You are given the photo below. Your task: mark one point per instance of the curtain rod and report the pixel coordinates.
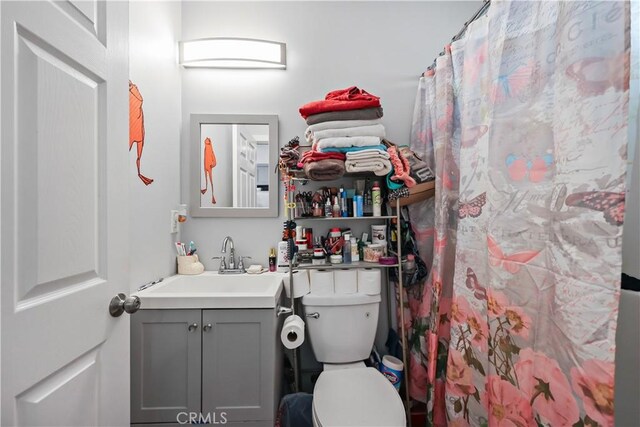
(478, 14)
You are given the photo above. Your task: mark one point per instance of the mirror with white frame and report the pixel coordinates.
(233, 158)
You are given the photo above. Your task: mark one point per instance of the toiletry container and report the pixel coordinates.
(272, 260)
(377, 199)
(189, 265)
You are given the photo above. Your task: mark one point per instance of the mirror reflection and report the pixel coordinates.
(235, 165)
(232, 168)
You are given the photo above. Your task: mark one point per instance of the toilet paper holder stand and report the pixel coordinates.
(282, 310)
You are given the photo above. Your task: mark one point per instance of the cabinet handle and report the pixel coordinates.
(207, 327)
(193, 327)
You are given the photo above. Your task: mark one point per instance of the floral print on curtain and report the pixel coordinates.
(536, 286)
(532, 106)
(435, 230)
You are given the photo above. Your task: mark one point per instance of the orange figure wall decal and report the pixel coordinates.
(136, 127)
(209, 163)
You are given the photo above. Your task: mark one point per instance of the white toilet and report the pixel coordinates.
(342, 329)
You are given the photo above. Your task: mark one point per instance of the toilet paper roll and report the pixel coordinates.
(345, 281)
(369, 281)
(292, 334)
(300, 284)
(321, 282)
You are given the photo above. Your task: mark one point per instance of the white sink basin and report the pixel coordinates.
(213, 290)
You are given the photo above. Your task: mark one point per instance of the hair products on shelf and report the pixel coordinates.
(377, 199)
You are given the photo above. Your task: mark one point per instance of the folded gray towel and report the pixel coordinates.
(363, 114)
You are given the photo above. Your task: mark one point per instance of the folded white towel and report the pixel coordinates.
(338, 124)
(346, 141)
(372, 153)
(374, 130)
(380, 167)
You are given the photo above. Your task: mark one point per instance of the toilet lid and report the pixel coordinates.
(357, 397)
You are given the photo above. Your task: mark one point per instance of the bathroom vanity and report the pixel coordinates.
(207, 347)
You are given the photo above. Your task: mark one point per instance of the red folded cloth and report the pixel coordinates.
(350, 98)
(316, 156)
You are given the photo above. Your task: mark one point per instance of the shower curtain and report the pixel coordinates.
(524, 122)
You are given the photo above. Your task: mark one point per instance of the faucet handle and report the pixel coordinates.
(241, 262)
(223, 263)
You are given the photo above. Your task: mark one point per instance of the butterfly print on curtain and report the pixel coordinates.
(610, 204)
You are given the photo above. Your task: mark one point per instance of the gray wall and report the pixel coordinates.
(381, 47)
(154, 28)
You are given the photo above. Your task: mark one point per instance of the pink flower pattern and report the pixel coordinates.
(544, 384)
(519, 321)
(505, 404)
(496, 302)
(593, 382)
(459, 375)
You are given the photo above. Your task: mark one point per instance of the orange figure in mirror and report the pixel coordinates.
(209, 163)
(136, 126)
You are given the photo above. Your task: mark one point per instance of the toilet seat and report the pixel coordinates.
(356, 397)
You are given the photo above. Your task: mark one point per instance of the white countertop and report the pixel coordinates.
(213, 290)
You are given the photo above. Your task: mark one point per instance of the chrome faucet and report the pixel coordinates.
(232, 253)
(231, 267)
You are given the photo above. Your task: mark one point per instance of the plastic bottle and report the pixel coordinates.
(377, 199)
(367, 208)
(359, 210)
(355, 256)
(336, 208)
(343, 202)
(346, 249)
(272, 260)
(328, 210)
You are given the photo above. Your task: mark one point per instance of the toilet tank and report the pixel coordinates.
(345, 328)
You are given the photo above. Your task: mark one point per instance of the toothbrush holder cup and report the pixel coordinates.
(189, 265)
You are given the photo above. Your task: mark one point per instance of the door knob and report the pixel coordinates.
(207, 327)
(121, 303)
(193, 327)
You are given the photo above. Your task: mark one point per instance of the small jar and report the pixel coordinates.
(336, 259)
(373, 252)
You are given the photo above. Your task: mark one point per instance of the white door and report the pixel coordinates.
(244, 168)
(63, 231)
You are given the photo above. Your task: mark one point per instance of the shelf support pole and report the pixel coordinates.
(403, 333)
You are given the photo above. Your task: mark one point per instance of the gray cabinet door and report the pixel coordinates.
(165, 364)
(238, 360)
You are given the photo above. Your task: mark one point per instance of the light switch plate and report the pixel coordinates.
(174, 222)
